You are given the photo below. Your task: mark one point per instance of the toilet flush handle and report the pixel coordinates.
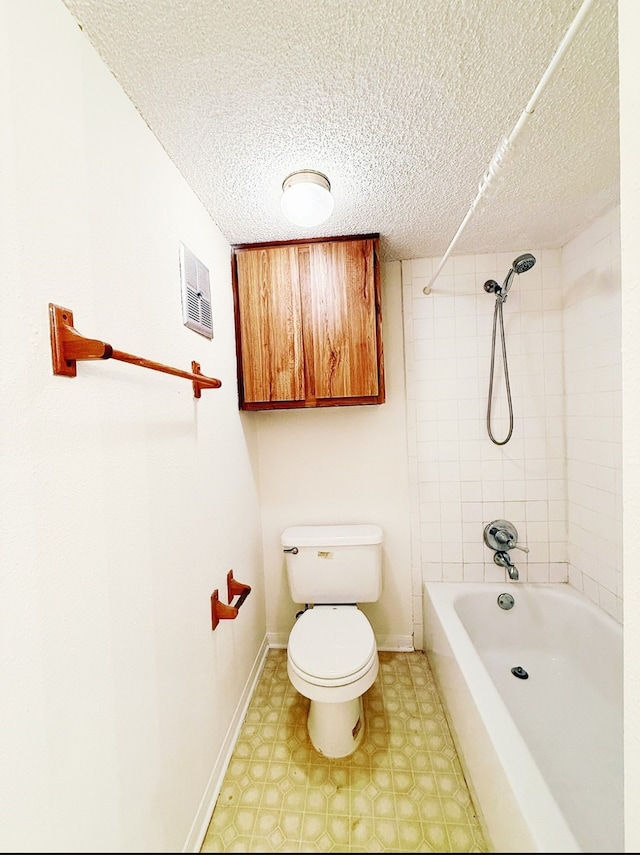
(292, 549)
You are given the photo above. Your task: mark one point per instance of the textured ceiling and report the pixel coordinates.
(401, 103)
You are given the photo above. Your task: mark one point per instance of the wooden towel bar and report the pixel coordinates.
(68, 346)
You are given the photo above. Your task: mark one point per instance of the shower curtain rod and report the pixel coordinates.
(507, 144)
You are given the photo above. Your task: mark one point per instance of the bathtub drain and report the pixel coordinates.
(505, 601)
(520, 673)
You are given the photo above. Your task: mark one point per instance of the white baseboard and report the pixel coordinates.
(203, 816)
(278, 639)
(395, 643)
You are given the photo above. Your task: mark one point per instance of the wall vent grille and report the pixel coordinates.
(196, 293)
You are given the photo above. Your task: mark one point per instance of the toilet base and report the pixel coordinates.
(336, 729)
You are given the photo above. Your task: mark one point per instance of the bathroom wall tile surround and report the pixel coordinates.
(560, 472)
(593, 367)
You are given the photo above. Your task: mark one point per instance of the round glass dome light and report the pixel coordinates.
(306, 198)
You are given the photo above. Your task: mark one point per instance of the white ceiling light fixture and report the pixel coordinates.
(306, 198)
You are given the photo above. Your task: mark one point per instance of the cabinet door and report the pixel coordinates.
(339, 297)
(308, 323)
(269, 325)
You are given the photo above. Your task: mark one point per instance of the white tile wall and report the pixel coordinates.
(558, 477)
(593, 423)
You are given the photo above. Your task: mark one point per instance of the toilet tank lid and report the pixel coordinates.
(331, 535)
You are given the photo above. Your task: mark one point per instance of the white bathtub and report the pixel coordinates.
(543, 755)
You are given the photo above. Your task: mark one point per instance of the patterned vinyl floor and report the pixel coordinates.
(402, 790)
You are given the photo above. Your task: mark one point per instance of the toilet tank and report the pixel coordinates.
(333, 563)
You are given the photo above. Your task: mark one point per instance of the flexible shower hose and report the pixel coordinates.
(497, 313)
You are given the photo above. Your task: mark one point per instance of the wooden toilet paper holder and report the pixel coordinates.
(222, 611)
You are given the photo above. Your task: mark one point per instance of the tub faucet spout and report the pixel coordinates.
(503, 559)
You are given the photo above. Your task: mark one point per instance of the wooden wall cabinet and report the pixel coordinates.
(308, 323)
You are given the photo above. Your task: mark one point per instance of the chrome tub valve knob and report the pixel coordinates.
(501, 535)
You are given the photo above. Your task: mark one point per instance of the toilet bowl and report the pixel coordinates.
(332, 659)
(332, 656)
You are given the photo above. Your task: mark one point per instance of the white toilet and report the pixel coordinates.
(332, 657)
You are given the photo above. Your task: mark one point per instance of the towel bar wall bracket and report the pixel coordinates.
(68, 346)
(222, 611)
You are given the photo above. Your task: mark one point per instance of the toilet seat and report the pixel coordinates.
(332, 645)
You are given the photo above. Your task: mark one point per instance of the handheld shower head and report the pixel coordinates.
(524, 262)
(520, 265)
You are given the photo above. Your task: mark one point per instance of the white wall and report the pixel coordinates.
(124, 500)
(629, 62)
(343, 465)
